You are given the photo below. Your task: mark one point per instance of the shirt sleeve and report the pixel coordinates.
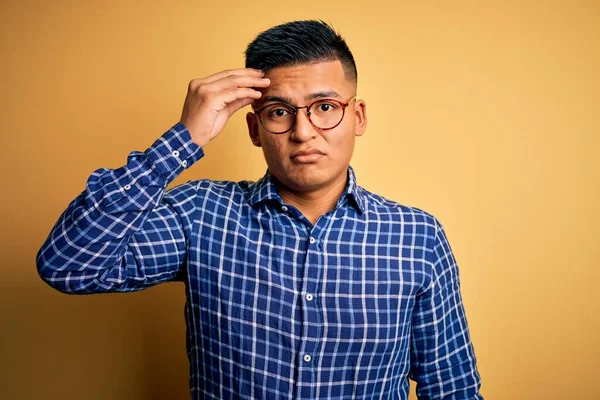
(443, 362)
(125, 232)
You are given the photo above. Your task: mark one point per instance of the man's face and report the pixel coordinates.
(307, 158)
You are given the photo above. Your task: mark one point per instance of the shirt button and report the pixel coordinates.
(175, 153)
(127, 187)
(309, 297)
(312, 240)
(307, 357)
(284, 208)
(184, 163)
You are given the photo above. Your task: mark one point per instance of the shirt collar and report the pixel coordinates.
(265, 190)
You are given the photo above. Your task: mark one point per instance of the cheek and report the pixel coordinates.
(272, 147)
(342, 143)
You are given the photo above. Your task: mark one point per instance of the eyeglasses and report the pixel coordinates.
(323, 114)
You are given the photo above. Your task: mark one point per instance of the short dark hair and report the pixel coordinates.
(300, 42)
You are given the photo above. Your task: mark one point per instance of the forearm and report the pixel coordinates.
(100, 242)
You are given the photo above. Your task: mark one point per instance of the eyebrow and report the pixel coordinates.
(312, 96)
(321, 95)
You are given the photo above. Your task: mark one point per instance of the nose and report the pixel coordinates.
(302, 130)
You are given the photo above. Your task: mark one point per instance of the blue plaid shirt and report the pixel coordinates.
(276, 308)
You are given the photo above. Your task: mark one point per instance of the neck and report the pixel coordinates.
(314, 203)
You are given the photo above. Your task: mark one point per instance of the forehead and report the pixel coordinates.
(300, 81)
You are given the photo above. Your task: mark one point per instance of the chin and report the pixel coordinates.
(304, 179)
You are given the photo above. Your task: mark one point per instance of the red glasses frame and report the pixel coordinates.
(295, 113)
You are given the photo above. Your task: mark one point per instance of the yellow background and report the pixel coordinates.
(486, 115)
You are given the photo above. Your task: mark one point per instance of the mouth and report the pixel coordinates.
(307, 156)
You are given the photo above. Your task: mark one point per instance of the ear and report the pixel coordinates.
(253, 129)
(360, 115)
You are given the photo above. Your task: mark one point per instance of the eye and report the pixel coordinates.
(326, 106)
(278, 111)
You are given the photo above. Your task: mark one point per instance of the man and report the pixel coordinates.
(302, 285)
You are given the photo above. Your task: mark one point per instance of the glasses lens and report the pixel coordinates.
(277, 118)
(280, 117)
(326, 114)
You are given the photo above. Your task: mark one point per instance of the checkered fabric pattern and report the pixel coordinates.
(276, 308)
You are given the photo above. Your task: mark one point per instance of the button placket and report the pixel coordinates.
(310, 310)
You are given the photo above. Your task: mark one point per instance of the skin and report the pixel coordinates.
(312, 183)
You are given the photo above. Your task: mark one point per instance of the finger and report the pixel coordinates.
(230, 72)
(233, 81)
(238, 104)
(232, 95)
